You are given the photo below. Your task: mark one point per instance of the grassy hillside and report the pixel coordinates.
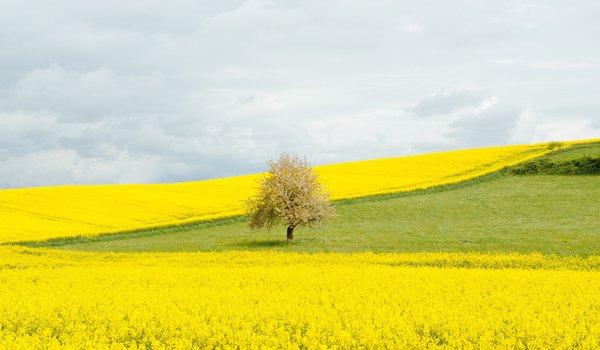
(578, 151)
(580, 160)
(53, 298)
(37, 214)
(501, 212)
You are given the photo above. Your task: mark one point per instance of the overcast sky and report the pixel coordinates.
(154, 91)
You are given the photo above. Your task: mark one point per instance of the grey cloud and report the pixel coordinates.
(148, 92)
(493, 126)
(449, 102)
(88, 95)
(60, 166)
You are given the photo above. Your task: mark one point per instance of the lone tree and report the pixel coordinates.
(290, 194)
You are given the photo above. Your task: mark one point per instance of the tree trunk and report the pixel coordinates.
(290, 233)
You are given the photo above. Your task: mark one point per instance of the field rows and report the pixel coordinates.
(37, 214)
(286, 300)
(52, 298)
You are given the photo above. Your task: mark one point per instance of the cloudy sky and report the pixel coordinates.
(153, 91)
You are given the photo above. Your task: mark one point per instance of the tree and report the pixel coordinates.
(290, 194)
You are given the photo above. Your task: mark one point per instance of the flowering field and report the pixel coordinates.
(285, 300)
(67, 211)
(266, 299)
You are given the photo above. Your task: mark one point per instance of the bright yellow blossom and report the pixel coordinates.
(68, 211)
(253, 300)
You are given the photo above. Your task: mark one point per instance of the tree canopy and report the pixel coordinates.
(289, 194)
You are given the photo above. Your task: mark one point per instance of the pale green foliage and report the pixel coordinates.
(289, 194)
(555, 145)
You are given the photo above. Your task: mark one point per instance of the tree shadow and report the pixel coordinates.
(270, 243)
(280, 243)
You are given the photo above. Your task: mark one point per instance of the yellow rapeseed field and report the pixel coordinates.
(254, 300)
(262, 300)
(67, 211)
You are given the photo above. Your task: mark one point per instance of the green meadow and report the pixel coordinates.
(508, 211)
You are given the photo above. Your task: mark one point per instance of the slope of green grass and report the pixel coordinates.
(548, 214)
(498, 213)
(581, 159)
(579, 151)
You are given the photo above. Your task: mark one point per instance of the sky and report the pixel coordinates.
(153, 91)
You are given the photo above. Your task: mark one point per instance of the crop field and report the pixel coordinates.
(225, 300)
(499, 213)
(503, 261)
(67, 211)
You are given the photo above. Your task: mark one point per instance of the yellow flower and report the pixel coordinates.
(265, 300)
(68, 211)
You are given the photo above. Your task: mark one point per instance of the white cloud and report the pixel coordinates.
(527, 128)
(83, 95)
(554, 65)
(569, 130)
(59, 166)
(141, 91)
(452, 102)
(491, 126)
